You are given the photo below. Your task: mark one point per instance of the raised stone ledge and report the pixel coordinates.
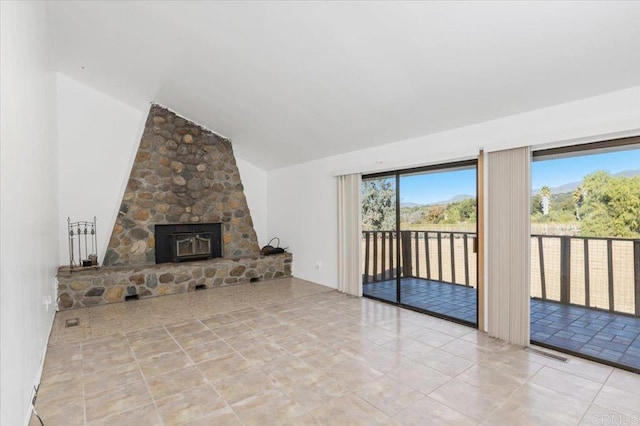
(99, 286)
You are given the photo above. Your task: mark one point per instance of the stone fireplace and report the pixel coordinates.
(183, 222)
(182, 174)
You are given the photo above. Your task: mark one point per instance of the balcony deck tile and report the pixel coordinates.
(442, 298)
(628, 359)
(594, 333)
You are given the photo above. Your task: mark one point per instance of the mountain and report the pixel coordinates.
(571, 186)
(459, 197)
(409, 204)
(628, 173)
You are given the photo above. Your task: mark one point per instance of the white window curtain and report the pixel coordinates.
(349, 235)
(509, 244)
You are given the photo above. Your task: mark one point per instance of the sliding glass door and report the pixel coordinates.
(419, 239)
(585, 251)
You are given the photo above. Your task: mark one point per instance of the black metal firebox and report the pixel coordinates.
(184, 242)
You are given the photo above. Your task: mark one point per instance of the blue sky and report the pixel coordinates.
(573, 169)
(440, 186)
(437, 186)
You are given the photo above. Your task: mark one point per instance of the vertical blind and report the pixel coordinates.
(509, 244)
(349, 235)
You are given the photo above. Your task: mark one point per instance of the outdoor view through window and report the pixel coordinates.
(585, 254)
(420, 253)
(594, 195)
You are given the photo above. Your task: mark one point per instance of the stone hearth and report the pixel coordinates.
(91, 286)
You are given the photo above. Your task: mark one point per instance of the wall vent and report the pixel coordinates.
(547, 354)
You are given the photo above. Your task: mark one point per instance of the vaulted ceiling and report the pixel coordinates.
(294, 81)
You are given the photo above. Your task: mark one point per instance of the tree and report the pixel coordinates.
(545, 194)
(467, 209)
(578, 200)
(461, 211)
(610, 206)
(452, 214)
(435, 214)
(378, 205)
(536, 204)
(411, 215)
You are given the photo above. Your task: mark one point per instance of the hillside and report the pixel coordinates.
(571, 186)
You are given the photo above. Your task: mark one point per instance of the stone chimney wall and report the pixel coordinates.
(182, 173)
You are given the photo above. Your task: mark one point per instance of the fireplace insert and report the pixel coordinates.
(185, 242)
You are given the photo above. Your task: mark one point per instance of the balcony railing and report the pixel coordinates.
(602, 273)
(435, 255)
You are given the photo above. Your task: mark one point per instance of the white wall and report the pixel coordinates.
(29, 211)
(303, 211)
(301, 199)
(254, 180)
(98, 139)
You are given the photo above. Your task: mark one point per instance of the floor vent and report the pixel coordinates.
(546, 354)
(131, 297)
(201, 287)
(72, 322)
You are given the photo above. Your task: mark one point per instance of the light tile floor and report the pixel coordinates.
(291, 352)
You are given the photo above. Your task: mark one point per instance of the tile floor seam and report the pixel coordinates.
(410, 405)
(234, 350)
(453, 408)
(371, 405)
(585, 413)
(574, 375)
(181, 349)
(466, 369)
(206, 379)
(174, 369)
(492, 412)
(204, 416)
(442, 348)
(507, 399)
(146, 383)
(117, 414)
(593, 401)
